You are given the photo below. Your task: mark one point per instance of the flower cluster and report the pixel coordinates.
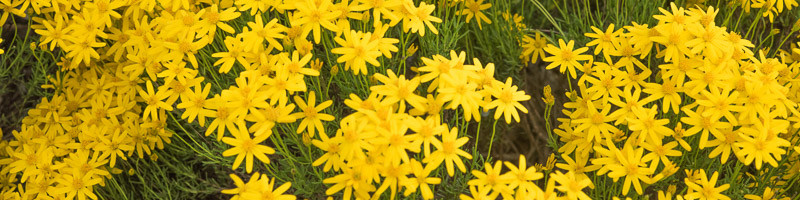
(631, 120)
(129, 67)
(767, 8)
(395, 137)
(70, 142)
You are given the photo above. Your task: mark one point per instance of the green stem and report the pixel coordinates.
(193, 140)
(477, 138)
(491, 140)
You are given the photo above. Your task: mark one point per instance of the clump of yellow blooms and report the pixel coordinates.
(72, 141)
(633, 122)
(767, 8)
(130, 66)
(396, 137)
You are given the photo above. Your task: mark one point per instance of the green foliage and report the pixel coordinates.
(23, 71)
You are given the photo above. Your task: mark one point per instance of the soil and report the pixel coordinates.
(529, 137)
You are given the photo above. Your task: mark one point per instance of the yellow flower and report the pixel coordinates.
(606, 84)
(667, 92)
(674, 38)
(478, 193)
(572, 185)
(104, 10)
(382, 9)
(263, 187)
(507, 100)
(604, 40)
(421, 180)
(16, 7)
(312, 15)
(659, 152)
(256, 6)
(578, 165)
(677, 16)
(641, 37)
(724, 144)
(241, 186)
(720, 102)
(82, 50)
(395, 142)
(761, 144)
(768, 194)
(397, 89)
(253, 39)
(140, 33)
(113, 145)
(474, 8)
(245, 148)
(282, 84)
(630, 99)
(434, 69)
(268, 116)
(393, 175)
(356, 137)
(705, 123)
(565, 57)
(348, 10)
(460, 92)
(154, 101)
(356, 50)
(647, 126)
(448, 151)
(195, 102)
(433, 107)
(773, 8)
(54, 32)
(632, 166)
(76, 185)
(421, 16)
(740, 45)
(25, 160)
(223, 118)
(185, 49)
(362, 106)
(412, 49)
(182, 87)
(533, 48)
(334, 70)
(426, 131)
(709, 41)
(523, 177)
(296, 65)
(332, 156)
(705, 188)
(312, 118)
(595, 123)
(492, 180)
(213, 17)
(350, 180)
(385, 45)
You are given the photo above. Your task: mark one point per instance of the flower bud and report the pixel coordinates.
(306, 139)
(548, 96)
(334, 70)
